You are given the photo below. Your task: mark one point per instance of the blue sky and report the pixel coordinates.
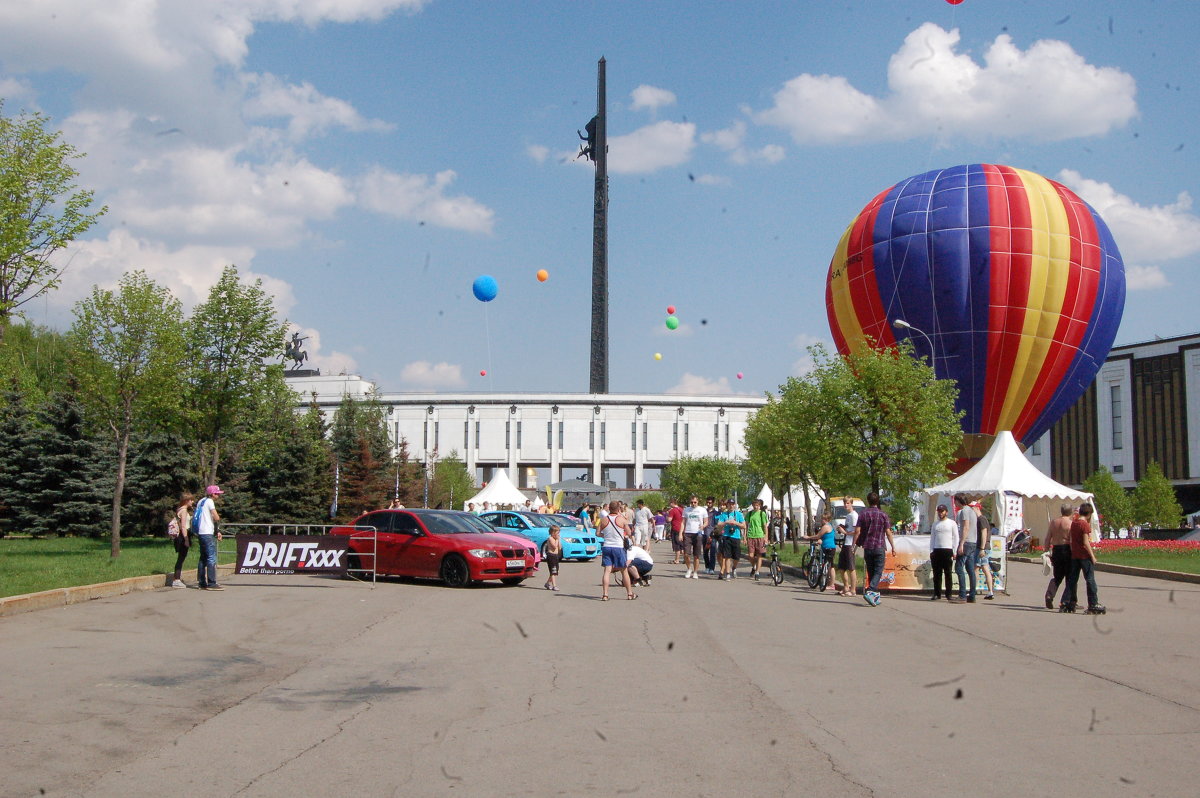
(369, 158)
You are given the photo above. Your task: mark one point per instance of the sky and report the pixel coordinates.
(368, 159)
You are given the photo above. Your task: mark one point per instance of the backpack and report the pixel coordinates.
(173, 528)
(195, 525)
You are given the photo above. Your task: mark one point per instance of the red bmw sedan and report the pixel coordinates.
(435, 544)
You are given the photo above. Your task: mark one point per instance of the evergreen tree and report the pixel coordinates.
(17, 458)
(61, 493)
(160, 471)
(364, 483)
(1154, 502)
(1112, 502)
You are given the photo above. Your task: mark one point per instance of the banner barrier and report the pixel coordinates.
(280, 555)
(910, 569)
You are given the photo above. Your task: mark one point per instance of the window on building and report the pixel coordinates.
(687, 436)
(726, 437)
(1036, 449)
(437, 434)
(633, 435)
(592, 435)
(717, 436)
(603, 435)
(466, 435)
(675, 436)
(425, 436)
(507, 434)
(1115, 398)
(476, 434)
(549, 434)
(519, 434)
(560, 435)
(645, 436)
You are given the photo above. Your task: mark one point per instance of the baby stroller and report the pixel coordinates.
(1019, 542)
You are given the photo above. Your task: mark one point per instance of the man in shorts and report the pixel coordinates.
(694, 519)
(756, 536)
(675, 522)
(643, 523)
(731, 524)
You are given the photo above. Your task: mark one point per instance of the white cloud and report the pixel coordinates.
(653, 147)
(423, 374)
(307, 110)
(1143, 234)
(420, 198)
(1047, 92)
(651, 97)
(732, 140)
(1145, 278)
(712, 180)
(695, 385)
(538, 152)
(805, 363)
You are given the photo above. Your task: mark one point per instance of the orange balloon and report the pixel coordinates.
(543, 275)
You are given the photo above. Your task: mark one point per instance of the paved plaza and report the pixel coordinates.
(306, 686)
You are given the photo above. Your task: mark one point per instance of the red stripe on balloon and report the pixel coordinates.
(1008, 272)
(860, 275)
(1083, 285)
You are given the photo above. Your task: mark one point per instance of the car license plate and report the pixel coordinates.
(514, 564)
(591, 549)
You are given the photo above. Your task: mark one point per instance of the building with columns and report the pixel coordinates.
(620, 440)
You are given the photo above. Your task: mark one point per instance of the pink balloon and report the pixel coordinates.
(739, 375)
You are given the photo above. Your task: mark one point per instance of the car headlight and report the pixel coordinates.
(482, 554)
(570, 540)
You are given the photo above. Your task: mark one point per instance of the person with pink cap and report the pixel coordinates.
(205, 523)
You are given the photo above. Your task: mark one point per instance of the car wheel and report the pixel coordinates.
(455, 572)
(512, 581)
(353, 566)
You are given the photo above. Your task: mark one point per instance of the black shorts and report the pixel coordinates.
(731, 548)
(845, 561)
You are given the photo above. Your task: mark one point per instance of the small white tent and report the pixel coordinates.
(771, 503)
(1006, 470)
(500, 491)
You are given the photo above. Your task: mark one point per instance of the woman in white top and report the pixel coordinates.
(943, 542)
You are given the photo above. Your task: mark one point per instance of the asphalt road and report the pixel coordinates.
(316, 687)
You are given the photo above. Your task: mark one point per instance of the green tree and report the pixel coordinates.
(887, 417)
(131, 352)
(1112, 501)
(18, 455)
(451, 484)
(703, 476)
(231, 337)
(35, 359)
(1154, 502)
(654, 500)
(41, 209)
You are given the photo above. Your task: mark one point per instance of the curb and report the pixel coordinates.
(63, 596)
(1128, 570)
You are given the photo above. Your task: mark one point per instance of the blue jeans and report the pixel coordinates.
(874, 560)
(964, 569)
(1070, 595)
(206, 571)
(710, 554)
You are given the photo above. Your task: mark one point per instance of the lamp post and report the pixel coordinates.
(903, 325)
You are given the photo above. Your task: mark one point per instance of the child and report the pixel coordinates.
(553, 554)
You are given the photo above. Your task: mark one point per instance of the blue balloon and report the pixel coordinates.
(485, 288)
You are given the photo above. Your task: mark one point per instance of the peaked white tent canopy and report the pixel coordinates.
(499, 491)
(1005, 469)
(767, 496)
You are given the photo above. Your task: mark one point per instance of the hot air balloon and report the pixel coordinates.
(1004, 280)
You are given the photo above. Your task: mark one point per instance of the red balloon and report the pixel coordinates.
(483, 373)
(954, 2)
(670, 310)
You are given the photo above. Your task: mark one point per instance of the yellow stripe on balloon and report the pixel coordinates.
(1048, 272)
(839, 292)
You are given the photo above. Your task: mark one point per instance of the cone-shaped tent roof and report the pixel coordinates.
(499, 491)
(1005, 468)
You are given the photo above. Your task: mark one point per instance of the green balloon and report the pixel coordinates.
(672, 322)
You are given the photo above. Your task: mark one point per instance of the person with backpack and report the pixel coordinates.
(204, 527)
(178, 529)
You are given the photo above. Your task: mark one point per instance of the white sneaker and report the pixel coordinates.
(178, 583)
(688, 574)
(695, 575)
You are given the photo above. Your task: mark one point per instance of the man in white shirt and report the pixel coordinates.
(640, 563)
(695, 518)
(643, 522)
(207, 535)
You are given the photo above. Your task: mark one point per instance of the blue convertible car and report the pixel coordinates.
(578, 542)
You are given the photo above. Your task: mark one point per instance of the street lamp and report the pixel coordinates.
(903, 325)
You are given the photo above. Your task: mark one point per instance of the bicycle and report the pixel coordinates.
(775, 567)
(814, 565)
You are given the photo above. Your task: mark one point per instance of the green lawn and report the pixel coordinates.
(28, 565)
(1149, 558)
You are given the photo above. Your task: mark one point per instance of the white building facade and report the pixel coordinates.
(621, 440)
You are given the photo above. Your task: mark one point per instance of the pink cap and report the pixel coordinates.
(213, 490)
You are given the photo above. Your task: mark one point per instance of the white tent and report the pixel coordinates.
(1005, 470)
(500, 491)
(770, 503)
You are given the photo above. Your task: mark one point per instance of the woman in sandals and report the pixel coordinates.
(615, 532)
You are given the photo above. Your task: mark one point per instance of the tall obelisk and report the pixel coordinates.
(599, 153)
